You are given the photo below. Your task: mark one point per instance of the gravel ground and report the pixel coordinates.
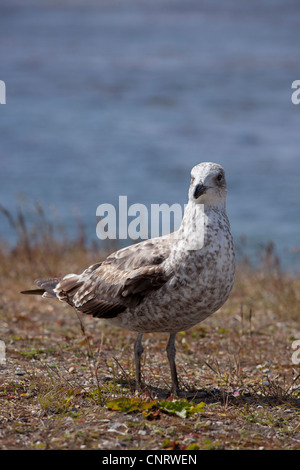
(69, 384)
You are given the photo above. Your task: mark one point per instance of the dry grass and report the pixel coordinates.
(62, 372)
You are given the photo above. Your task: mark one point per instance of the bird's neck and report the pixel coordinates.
(196, 221)
(197, 211)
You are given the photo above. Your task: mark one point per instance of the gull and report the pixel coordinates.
(164, 284)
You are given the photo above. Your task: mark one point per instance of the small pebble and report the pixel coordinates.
(115, 425)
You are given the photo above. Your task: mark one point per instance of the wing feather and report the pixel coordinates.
(121, 281)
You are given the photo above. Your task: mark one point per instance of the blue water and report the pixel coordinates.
(109, 98)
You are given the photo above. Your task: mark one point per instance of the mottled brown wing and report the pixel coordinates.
(122, 281)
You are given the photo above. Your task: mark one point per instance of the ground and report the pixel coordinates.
(68, 382)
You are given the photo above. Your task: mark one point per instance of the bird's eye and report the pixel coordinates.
(219, 177)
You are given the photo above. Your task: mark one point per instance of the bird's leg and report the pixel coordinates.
(171, 352)
(138, 351)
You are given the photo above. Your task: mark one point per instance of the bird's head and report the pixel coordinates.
(208, 184)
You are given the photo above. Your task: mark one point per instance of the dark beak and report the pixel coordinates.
(199, 190)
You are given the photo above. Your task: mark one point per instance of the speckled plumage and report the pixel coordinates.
(168, 283)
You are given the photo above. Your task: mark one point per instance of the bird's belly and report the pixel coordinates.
(179, 305)
(200, 285)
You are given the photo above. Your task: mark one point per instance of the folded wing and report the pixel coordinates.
(121, 281)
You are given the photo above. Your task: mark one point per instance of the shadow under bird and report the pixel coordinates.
(164, 284)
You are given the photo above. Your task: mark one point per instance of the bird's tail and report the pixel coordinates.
(46, 287)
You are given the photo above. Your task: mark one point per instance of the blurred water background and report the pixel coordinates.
(110, 97)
